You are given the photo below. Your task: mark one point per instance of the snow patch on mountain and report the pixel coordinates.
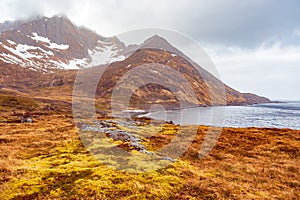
(58, 46)
(104, 54)
(25, 51)
(10, 59)
(26, 55)
(51, 45)
(72, 64)
(36, 37)
(11, 42)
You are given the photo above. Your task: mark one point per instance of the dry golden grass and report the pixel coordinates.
(46, 160)
(249, 163)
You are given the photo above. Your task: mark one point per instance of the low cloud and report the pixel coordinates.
(255, 44)
(272, 71)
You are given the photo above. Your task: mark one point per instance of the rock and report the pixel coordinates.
(168, 158)
(131, 139)
(26, 120)
(57, 82)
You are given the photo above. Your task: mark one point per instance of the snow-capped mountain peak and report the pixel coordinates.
(45, 43)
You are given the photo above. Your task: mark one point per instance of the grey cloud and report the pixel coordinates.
(244, 25)
(231, 22)
(16, 9)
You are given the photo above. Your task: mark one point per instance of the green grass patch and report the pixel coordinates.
(69, 171)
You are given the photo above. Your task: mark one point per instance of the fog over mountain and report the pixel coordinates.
(255, 45)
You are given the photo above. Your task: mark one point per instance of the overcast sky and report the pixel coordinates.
(254, 44)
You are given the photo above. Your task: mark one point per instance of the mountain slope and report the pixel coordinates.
(170, 89)
(51, 43)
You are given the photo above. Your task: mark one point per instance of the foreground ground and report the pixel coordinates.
(47, 160)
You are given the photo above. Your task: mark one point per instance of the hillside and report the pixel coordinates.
(207, 88)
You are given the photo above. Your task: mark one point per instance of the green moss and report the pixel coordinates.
(69, 171)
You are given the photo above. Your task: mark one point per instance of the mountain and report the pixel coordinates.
(39, 53)
(50, 43)
(154, 42)
(171, 89)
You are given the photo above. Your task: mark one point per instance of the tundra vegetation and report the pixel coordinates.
(47, 160)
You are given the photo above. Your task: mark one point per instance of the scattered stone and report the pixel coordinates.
(26, 120)
(168, 158)
(111, 129)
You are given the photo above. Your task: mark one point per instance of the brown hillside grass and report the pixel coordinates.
(46, 160)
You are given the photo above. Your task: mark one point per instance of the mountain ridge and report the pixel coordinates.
(50, 45)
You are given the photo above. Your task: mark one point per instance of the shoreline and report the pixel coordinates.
(265, 115)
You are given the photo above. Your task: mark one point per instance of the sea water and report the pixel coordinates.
(269, 115)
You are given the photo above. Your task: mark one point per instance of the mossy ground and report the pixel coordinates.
(71, 172)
